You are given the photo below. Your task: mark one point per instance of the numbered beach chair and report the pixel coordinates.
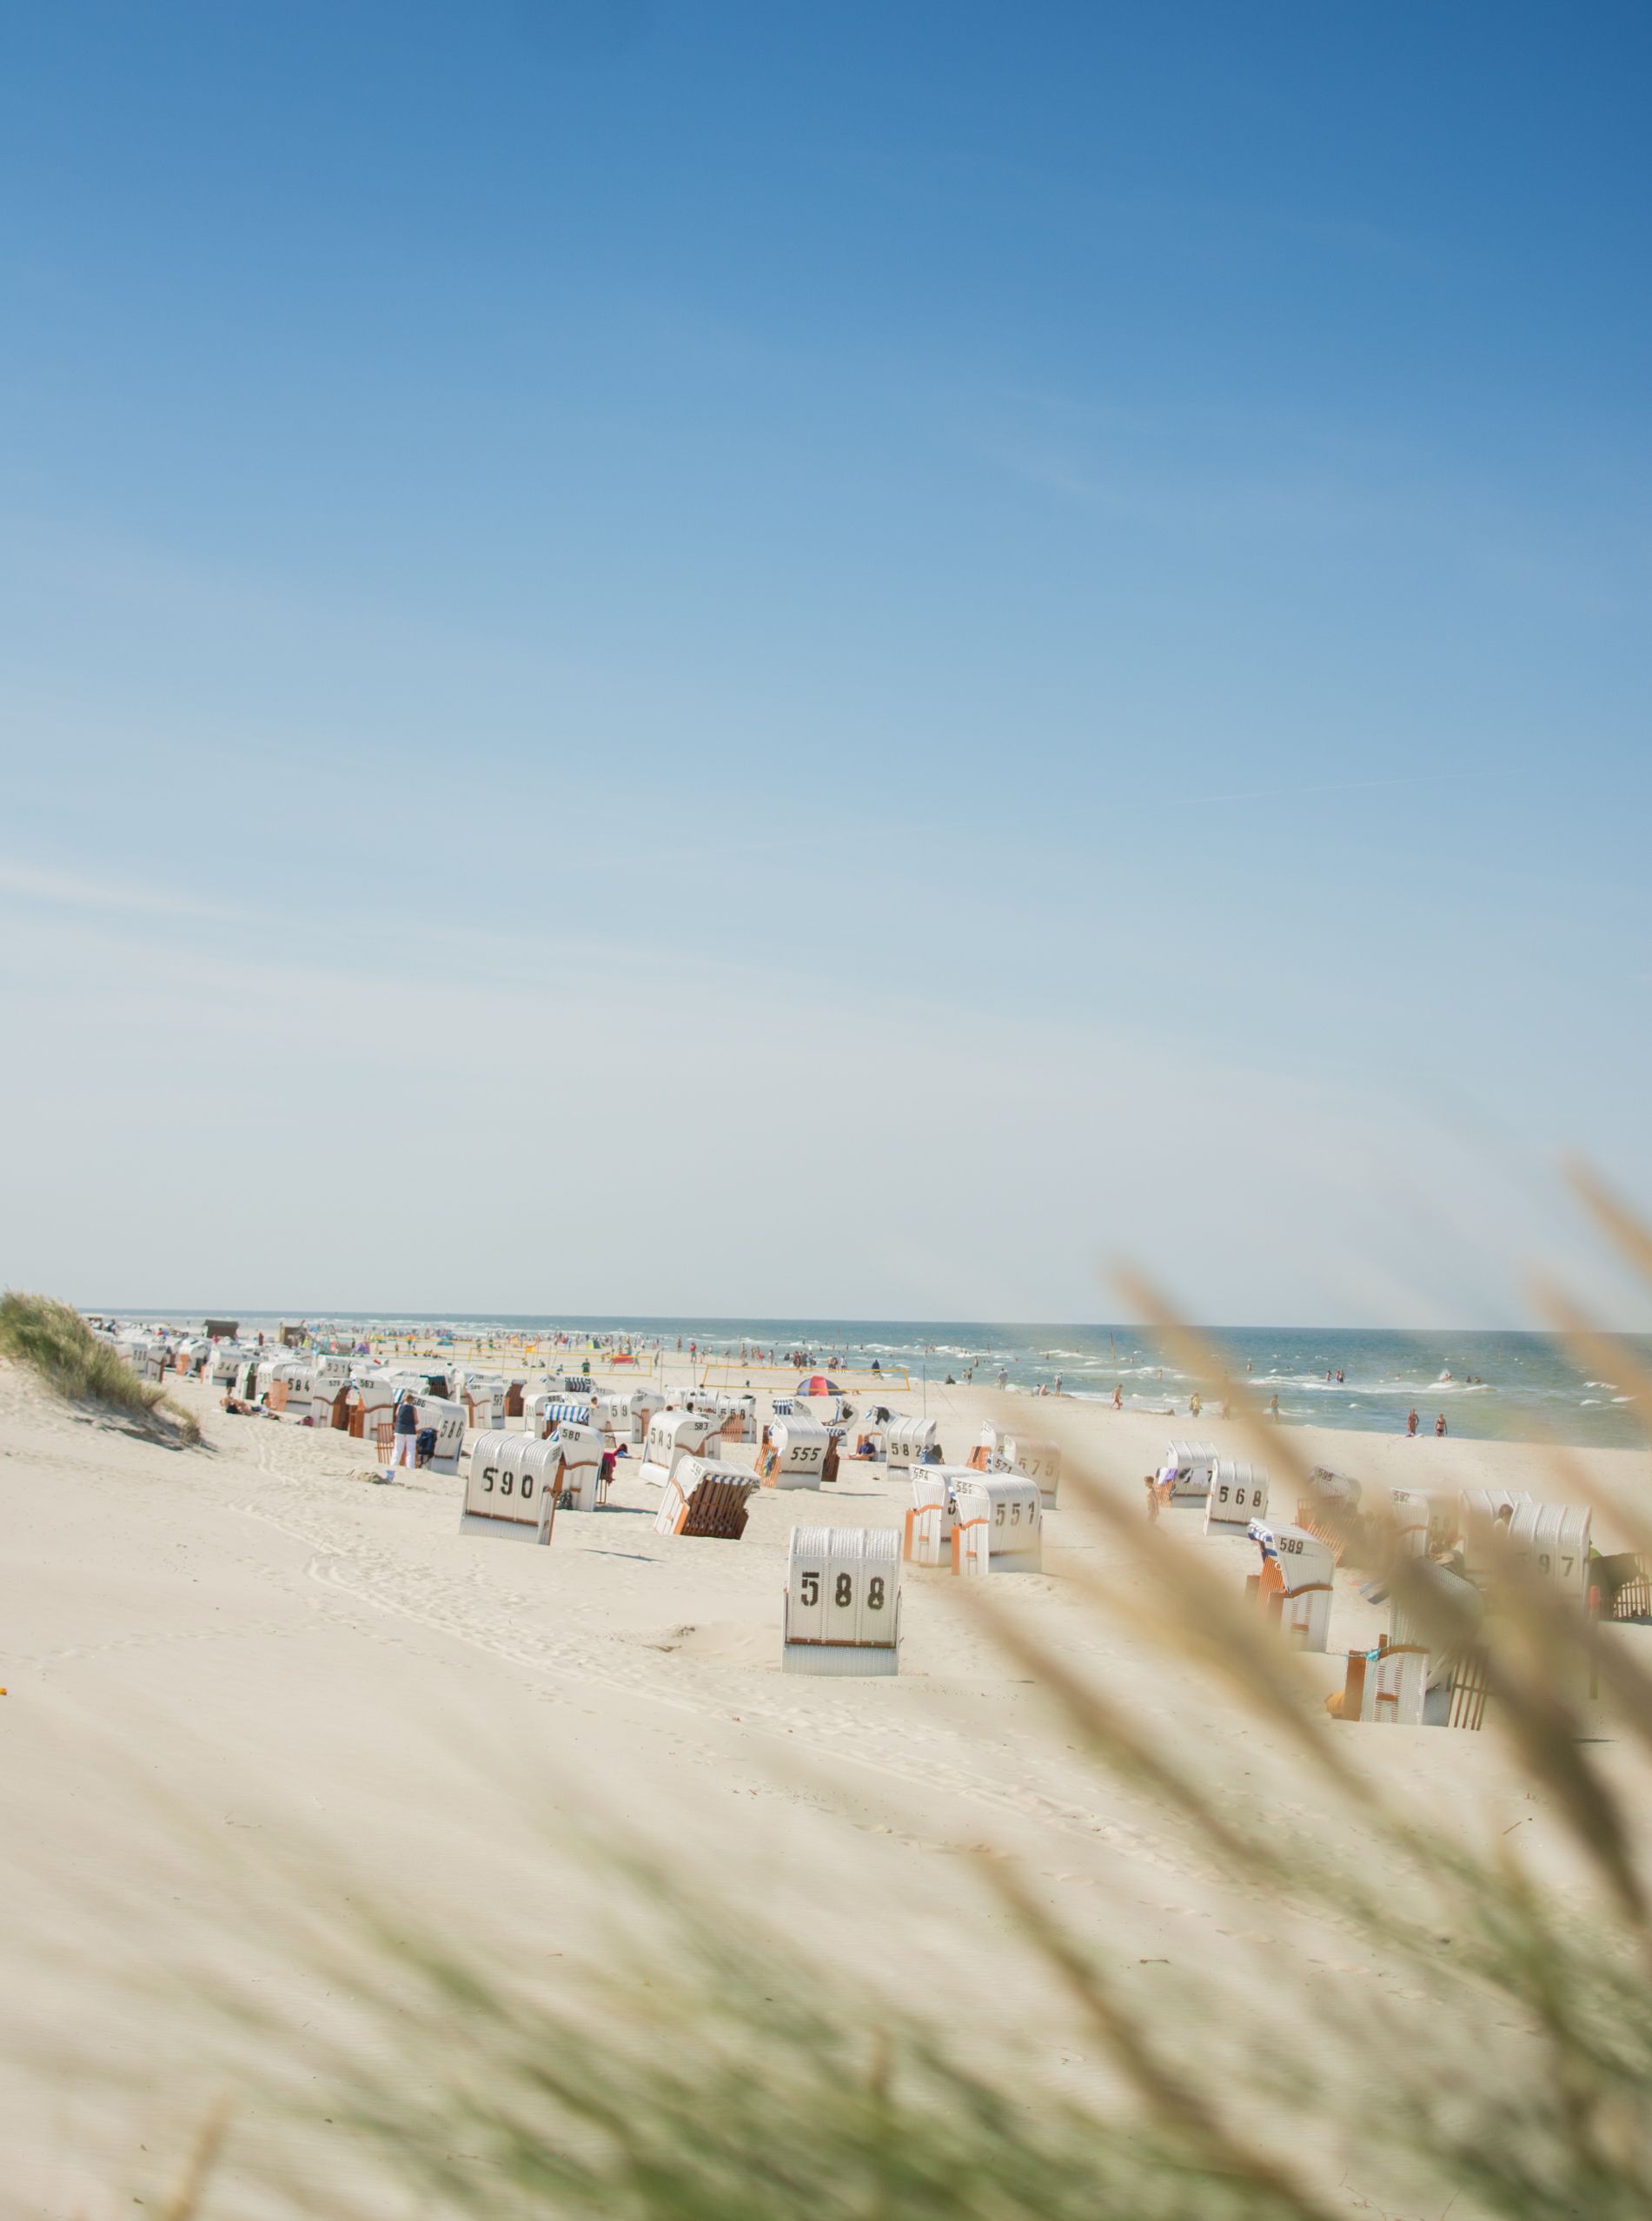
(842, 1605)
(797, 1453)
(1409, 1514)
(1294, 1586)
(441, 1423)
(483, 1398)
(1034, 1460)
(506, 1493)
(998, 1520)
(576, 1470)
(906, 1440)
(673, 1435)
(1553, 1542)
(1238, 1494)
(739, 1416)
(543, 1415)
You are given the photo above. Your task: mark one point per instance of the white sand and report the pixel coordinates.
(217, 1662)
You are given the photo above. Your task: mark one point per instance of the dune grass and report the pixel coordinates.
(54, 1340)
(1495, 2065)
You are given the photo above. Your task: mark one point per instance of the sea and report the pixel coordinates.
(1499, 1387)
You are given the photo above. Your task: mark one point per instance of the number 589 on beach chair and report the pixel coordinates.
(1295, 1584)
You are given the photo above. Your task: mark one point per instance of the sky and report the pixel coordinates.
(789, 660)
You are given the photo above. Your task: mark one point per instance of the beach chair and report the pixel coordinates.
(1185, 1475)
(672, 1436)
(575, 1469)
(1294, 1587)
(1238, 1496)
(1034, 1460)
(510, 1491)
(797, 1453)
(1624, 1590)
(705, 1500)
(1467, 1706)
(928, 1533)
(998, 1522)
(384, 1439)
(841, 1611)
(1385, 1686)
(1329, 1511)
(904, 1440)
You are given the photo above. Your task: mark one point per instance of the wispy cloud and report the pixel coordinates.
(31, 883)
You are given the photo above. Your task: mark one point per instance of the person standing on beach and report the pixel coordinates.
(1411, 1420)
(1057, 1390)
(1439, 1424)
(1119, 1398)
(1273, 1406)
(407, 1431)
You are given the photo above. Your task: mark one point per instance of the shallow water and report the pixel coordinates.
(1501, 1387)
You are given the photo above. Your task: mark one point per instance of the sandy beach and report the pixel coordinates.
(227, 1666)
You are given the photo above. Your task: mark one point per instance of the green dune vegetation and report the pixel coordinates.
(55, 1342)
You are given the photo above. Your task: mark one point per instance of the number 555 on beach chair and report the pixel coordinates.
(797, 1453)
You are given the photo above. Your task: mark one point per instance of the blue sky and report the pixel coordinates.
(1074, 576)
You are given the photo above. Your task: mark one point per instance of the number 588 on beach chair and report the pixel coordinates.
(842, 1607)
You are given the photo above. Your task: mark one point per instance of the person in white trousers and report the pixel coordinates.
(407, 1431)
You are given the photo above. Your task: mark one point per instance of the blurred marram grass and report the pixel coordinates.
(1508, 2075)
